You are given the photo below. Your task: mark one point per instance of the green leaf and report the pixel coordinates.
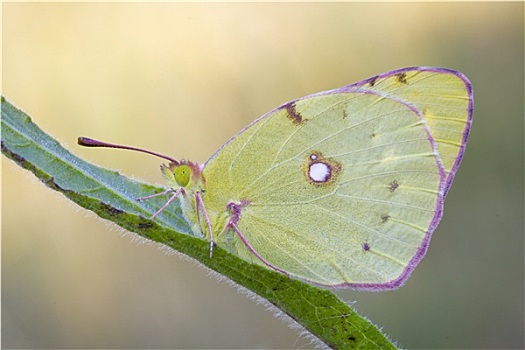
(113, 197)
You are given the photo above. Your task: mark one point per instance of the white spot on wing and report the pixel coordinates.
(319, 172)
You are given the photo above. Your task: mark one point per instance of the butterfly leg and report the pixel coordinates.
(140, 199)
(233, 225)
(172, 198)
(200, 205)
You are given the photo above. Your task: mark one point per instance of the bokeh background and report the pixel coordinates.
(181, 79)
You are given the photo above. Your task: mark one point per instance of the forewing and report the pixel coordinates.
(445, 99)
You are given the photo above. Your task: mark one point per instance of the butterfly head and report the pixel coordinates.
(183, 174)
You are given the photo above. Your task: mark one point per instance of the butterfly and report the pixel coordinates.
(341, 188)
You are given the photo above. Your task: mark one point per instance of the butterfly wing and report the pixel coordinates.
(445, 99)
(344, 188)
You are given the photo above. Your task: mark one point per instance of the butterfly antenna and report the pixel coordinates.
(87, 142)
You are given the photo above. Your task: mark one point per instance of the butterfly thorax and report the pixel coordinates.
(187, 177)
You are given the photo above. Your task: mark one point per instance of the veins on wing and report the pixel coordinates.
(241, 149)
(305, 150)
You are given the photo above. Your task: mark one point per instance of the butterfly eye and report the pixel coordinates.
(182, 175)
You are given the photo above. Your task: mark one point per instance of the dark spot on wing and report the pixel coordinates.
(292, 114)
(372, 81)
(365, 246)
(402, 78)
(393, 186)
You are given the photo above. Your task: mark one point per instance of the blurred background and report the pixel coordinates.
(181, 79)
